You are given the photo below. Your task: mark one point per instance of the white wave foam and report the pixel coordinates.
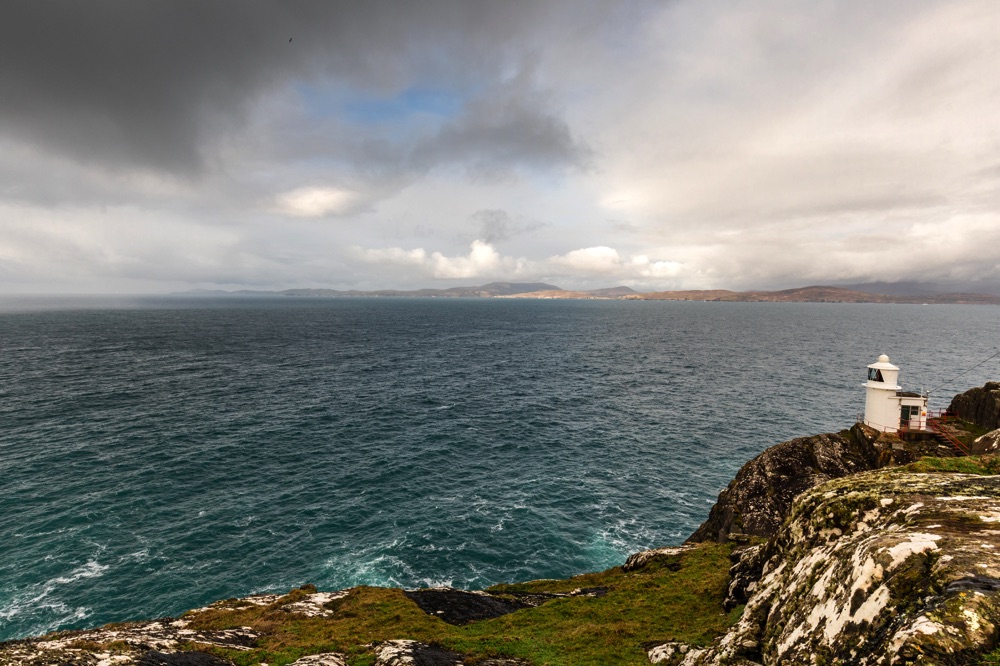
(92, 569)
(137, 556)
(34, 600)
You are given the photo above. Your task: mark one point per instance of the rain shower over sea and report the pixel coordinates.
(157, 454)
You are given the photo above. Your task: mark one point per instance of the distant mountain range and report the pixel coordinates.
(541, 290)
(818, 294)
(491, 290)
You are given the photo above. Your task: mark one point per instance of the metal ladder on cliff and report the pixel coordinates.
(935, 426)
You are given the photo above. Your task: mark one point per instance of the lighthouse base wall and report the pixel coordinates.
(882, 410)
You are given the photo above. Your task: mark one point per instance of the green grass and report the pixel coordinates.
(984, 465)
(654, 603)
(991, 659)
(972, 431)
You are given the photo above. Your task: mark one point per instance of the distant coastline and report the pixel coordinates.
(540, 290)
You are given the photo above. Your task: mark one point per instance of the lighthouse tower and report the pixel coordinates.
(888, 408)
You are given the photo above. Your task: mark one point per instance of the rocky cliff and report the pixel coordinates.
(979, 405)
(886, 567)
(757, 501)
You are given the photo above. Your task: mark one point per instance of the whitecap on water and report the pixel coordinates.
(39, 608)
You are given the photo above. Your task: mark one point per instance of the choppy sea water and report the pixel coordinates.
(157, 454)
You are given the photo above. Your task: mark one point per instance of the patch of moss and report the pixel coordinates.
(655, 603)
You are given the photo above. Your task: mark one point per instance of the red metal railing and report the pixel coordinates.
(934, 424)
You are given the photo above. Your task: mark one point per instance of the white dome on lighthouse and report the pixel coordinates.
(883, 364)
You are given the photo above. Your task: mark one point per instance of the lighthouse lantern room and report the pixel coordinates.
(887, 407)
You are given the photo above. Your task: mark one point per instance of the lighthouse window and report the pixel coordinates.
(875, 375)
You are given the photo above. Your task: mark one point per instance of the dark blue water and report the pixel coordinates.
(158, 454)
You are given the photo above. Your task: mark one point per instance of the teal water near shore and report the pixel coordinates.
(159, 453)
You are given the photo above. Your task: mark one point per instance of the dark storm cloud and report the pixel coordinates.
(494, 136)
(497, 225)
(493, 127)
(494, 225)
(149, 84)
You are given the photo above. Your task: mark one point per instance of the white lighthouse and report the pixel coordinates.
(887, 407)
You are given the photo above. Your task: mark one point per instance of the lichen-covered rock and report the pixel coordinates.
(757, 501)
(413, 653)
(327, 659)
(979, 405)
(154, 658)
(670, 653)
(163, 642)
(988, 444)
(671, 556)
(883, 568)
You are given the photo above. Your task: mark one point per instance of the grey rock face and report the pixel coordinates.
(979, 405)
(880, 569)
(461, 607)
(747, 569)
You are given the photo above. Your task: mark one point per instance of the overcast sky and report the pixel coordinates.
(160, 146)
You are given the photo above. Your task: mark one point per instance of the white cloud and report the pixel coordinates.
(655, 269)
(592, 266)
(607, 264)
(483, 261)
(599, 259)
(316, 201)
(394, 256)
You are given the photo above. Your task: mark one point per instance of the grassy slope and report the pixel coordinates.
(655, 603)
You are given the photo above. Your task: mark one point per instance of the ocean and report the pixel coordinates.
(159, 453)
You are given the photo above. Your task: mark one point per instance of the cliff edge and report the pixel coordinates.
(758, 500)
